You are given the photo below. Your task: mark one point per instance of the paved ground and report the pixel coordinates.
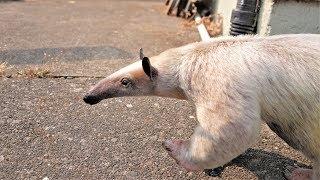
(47, 132)
(41, 31)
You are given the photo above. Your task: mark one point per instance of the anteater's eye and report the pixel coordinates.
(125, 82)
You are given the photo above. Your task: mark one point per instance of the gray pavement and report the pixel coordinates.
(43, 30)
(47, 132)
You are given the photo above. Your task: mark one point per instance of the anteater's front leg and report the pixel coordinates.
(221, 136)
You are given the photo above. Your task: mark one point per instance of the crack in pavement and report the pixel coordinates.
(40, 55)
(56, 77)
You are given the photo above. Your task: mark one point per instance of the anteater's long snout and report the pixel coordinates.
(91, 99)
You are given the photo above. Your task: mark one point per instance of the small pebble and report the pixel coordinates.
(132, 173)
(78, 90)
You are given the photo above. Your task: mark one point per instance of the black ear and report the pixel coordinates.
(148, 69)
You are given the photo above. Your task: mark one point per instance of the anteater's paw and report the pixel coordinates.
(177, 150)
(292, 173)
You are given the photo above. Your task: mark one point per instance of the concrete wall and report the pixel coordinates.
(280, 17)
(295, 17)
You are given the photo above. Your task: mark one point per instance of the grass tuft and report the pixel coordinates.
(3, 67)
(36, 72)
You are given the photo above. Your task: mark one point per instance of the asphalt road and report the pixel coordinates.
(47, 132)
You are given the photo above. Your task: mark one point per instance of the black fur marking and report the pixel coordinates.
(148, 69)
(146, 66)
(287, 136)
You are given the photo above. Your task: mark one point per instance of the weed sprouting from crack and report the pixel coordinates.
(3, 67)
(35, 72)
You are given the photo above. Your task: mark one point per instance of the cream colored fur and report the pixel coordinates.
(236, 83)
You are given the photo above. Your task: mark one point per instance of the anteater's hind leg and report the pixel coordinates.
(303, 139)
(316, 170)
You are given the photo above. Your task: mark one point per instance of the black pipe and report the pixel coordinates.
(244, 17)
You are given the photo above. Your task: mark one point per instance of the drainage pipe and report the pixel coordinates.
(244, 17)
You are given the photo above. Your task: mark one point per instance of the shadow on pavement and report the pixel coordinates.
(265, 165)
(42, 55)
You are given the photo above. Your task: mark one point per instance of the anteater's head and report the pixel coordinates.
(137, 79)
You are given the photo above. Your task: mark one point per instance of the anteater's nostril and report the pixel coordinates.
(89, 99)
